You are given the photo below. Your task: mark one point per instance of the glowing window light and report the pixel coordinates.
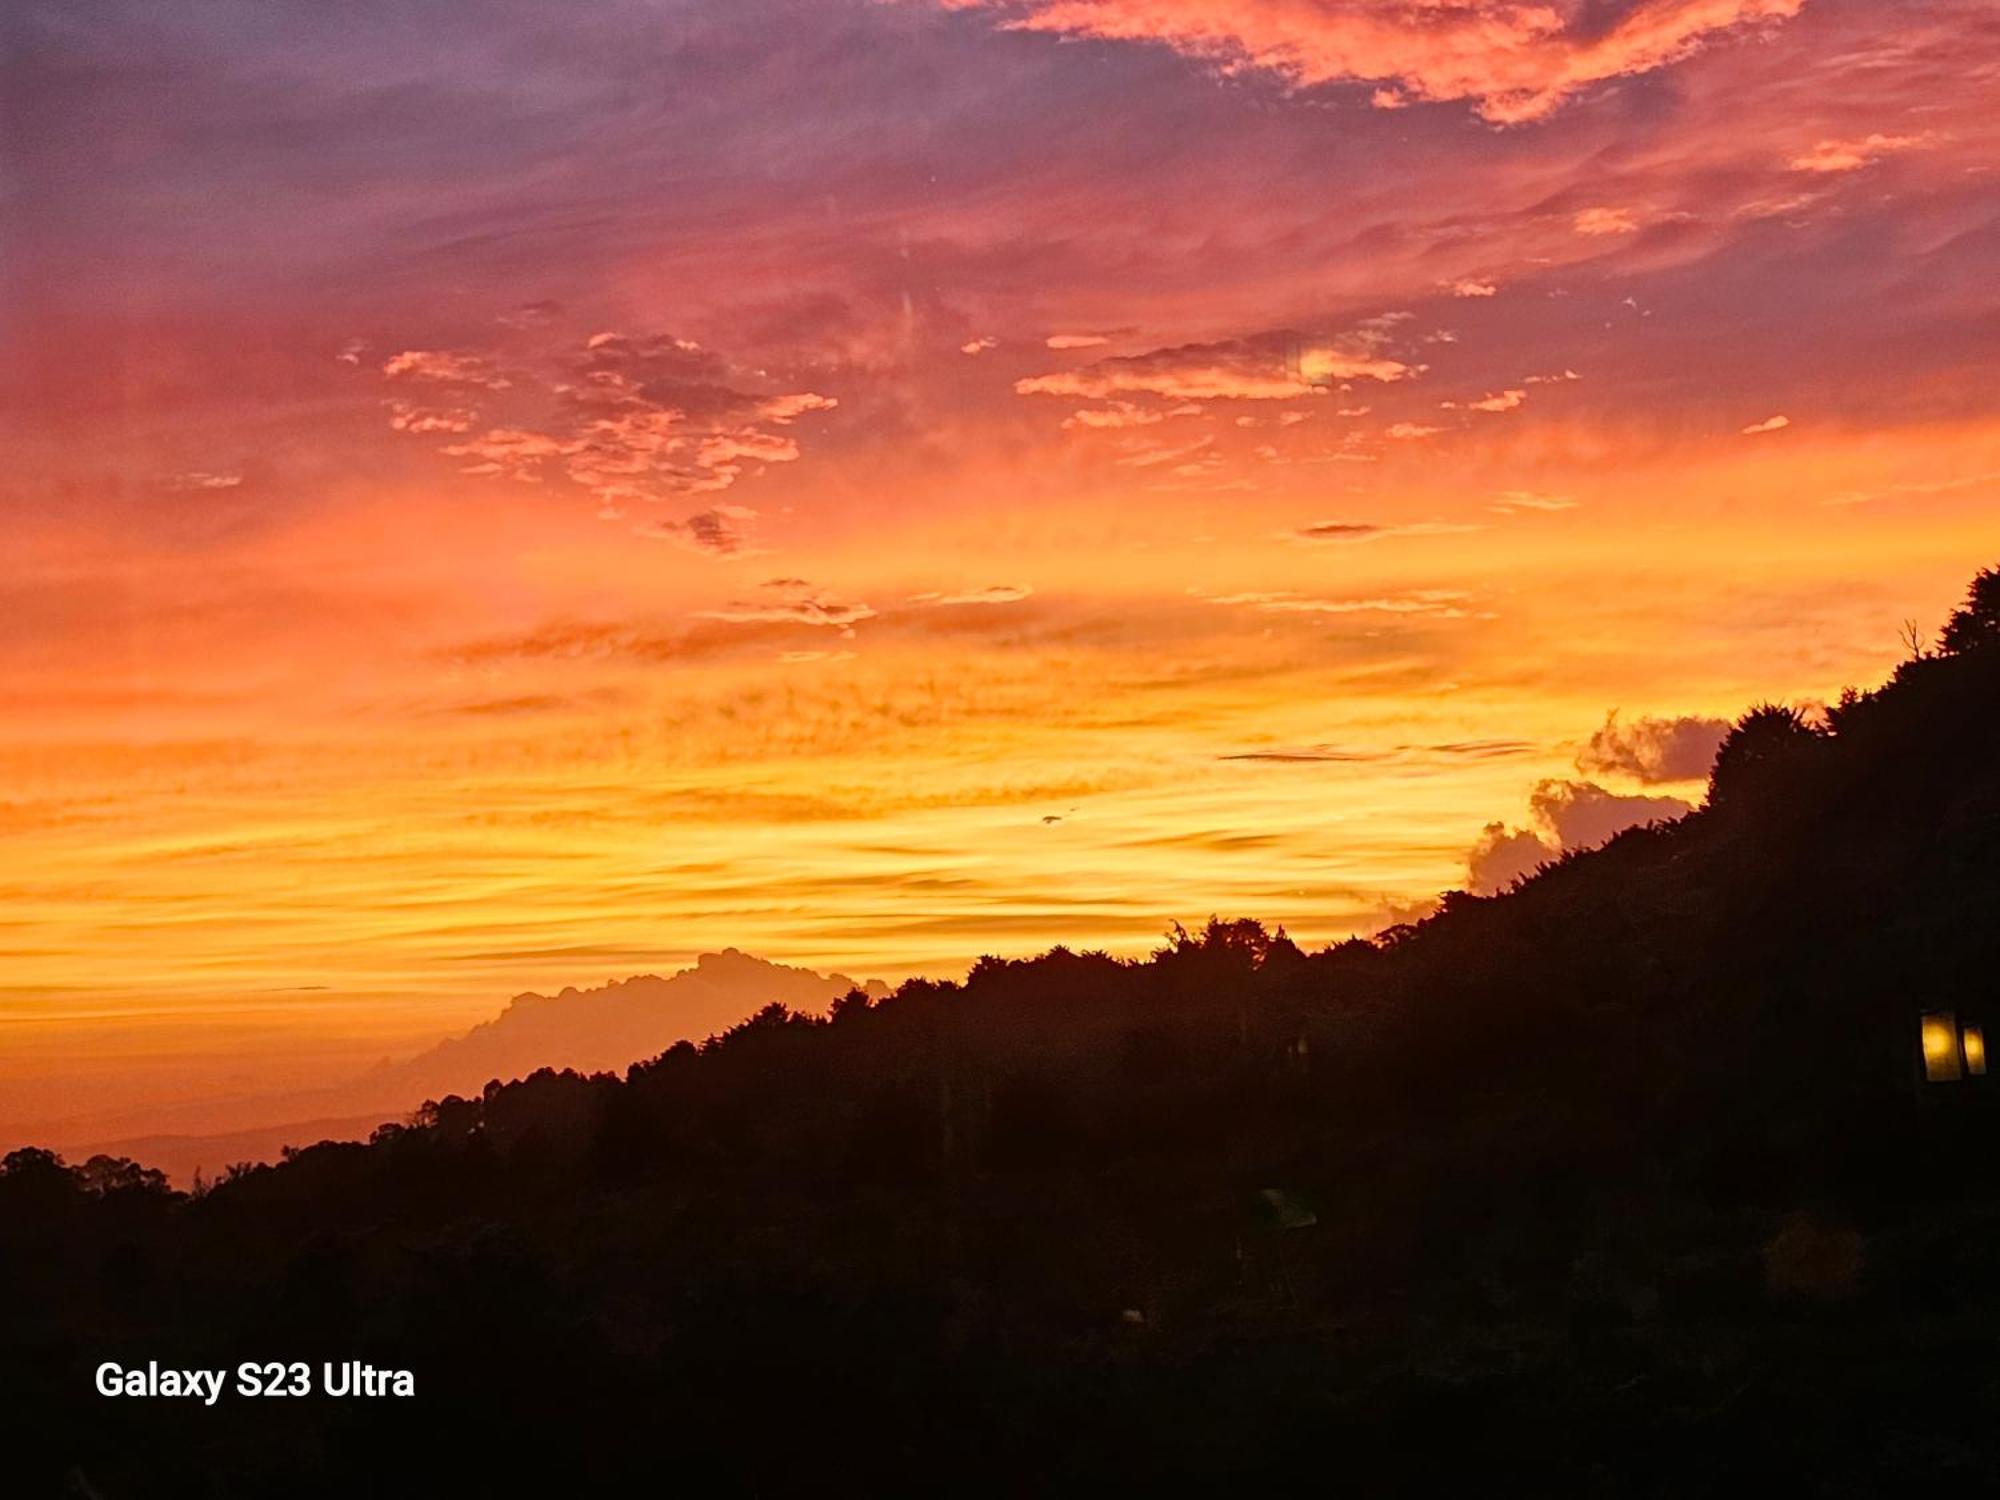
(1941, 1055)
(1973, 1040)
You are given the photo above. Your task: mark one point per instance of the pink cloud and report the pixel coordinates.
(445, 367)
(1602, 221)
(1515, 60)
(1852, 155)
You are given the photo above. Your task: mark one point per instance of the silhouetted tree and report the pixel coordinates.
(1768, 744)
(1976, 623)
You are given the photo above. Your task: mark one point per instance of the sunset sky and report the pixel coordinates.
(506, 495)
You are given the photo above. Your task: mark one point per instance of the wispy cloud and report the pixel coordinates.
(630, 420)
(1444, 603)
(1338, 532)
(1598, 222)
(204, 479)
(997, 594)
(1853, 155)
(1269, 369)
(445, 366)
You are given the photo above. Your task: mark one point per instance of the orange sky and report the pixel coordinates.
(507, 495)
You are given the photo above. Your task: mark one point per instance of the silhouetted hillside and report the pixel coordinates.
(1627, 1181)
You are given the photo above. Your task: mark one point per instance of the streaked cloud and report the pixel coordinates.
(997, 594)
(1270, 369)
(1852, 155)
(1356, 531)
(1444, 603)
(1513, 500)
(793, 605)
(205, 479)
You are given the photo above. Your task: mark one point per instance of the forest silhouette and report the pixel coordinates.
(1628, 1180)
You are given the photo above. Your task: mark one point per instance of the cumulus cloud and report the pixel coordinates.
(1409, 431)
(1566, 816)
(1852, 155)
(1269, 369)
(1076, 340)
(1472, 286)
(1514, 60)
(1582, 814)
(1654, 750)
(1499, 401)
(976, 347)
(1769, 424)
(1502, 856)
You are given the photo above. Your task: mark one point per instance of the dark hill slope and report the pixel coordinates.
(1624, 1182)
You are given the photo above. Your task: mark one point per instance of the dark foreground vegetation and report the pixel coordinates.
(1626, 1182)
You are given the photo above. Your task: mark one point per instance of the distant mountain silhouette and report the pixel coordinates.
(604, 1029)
(608, 1028)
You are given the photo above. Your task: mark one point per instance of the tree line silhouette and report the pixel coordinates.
(1625, 1181)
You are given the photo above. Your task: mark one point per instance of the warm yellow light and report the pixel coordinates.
(1316, 366)
(1974, 1040)
(1941, 1058)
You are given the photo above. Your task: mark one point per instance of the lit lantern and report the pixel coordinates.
(1941, 1055)
(1973, 1040)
